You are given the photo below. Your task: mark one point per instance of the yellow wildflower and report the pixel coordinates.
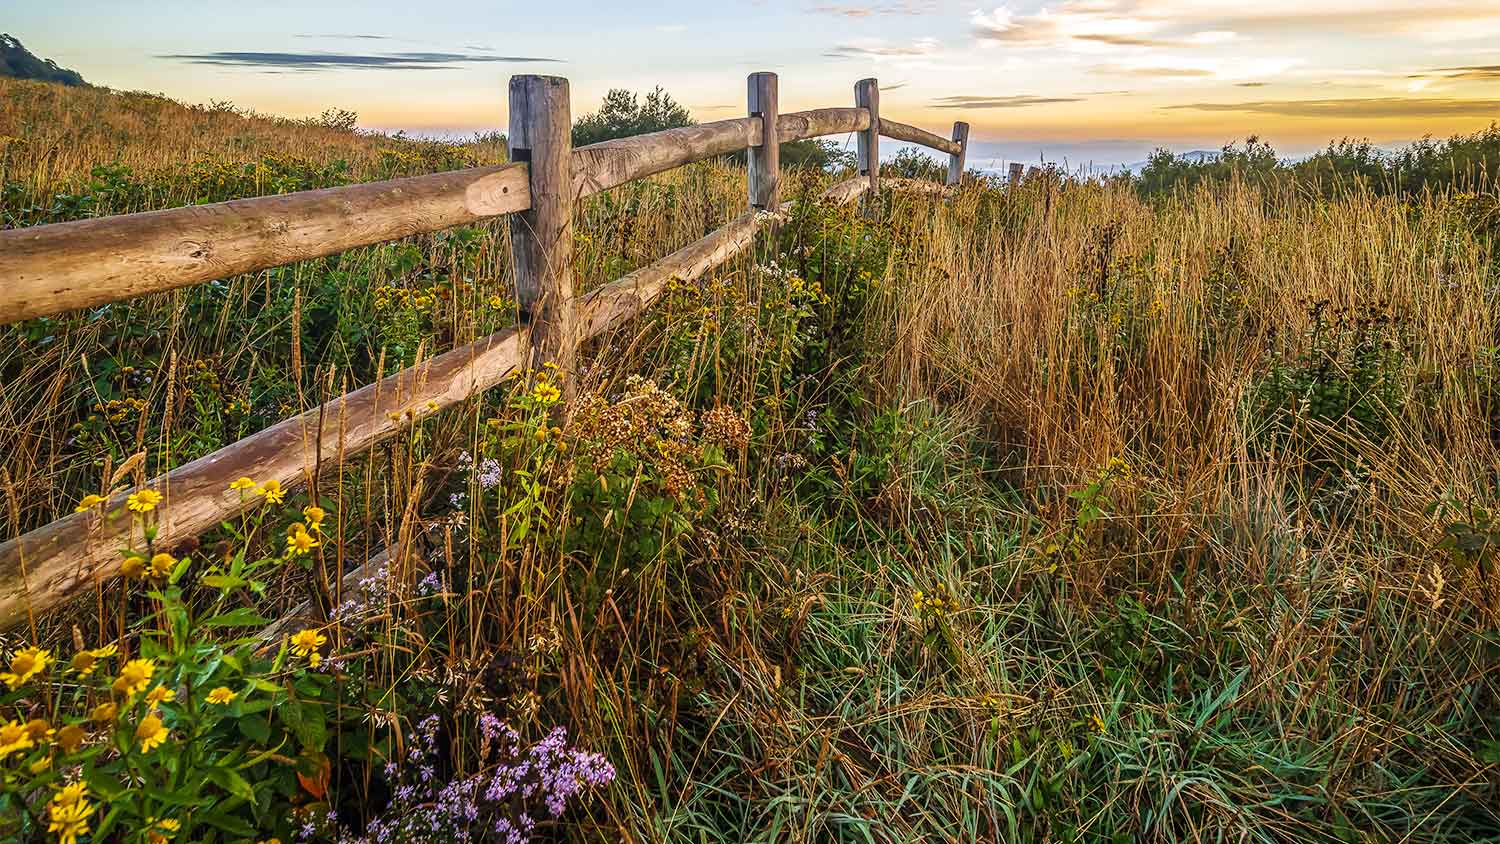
(134, 677)
(305, 643)
(39, 730)
(221, 695)
(162, 565)
(241, 483)
(105, 713)
(84, 662)
(160, 694)
(70, 820)
(13, 737)
(314, 515)
(89, 502)
(70, 738)
(272, 491)
(24, 665)
(143, 501)
(162, 830)
(300, 542)
(152, 732)
(70, 794)
(545, 394)
(133, 568)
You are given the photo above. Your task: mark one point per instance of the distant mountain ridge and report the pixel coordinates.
(17, 61)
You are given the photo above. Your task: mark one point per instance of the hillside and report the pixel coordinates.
(127, 150)
(18, 62)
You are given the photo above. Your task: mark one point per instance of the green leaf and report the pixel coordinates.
(230, 781)
(222, 581)
(255, 728)
(102, 784)
(240, 617)
(228, 823)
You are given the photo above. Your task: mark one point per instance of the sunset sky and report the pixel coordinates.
(1088, 80)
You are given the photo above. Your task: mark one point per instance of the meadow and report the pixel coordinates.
(1050, 512)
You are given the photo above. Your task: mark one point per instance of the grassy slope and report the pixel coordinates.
(1241, 630)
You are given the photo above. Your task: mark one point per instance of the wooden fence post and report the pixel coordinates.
(541, 238)
(956, 160)
(867, 95)
(764, 160)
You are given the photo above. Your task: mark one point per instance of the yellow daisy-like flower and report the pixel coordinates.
(152, 733)
(162, 565)
(14, 737)
(70, 820)
(545, 394)
(71, 793)
(143, 501)
(241, 482)
(162, 830)
(24, 665)
(84, 662)
(221, 695)
(70, 738)
(134, 568)
(160, 694)
(135, 676)
(105, 713)
(305, 643)
(88, 503)
(300, 542)
(272, 491)
(39, 730)
(315, 516)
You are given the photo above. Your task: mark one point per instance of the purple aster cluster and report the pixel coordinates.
(503, 803)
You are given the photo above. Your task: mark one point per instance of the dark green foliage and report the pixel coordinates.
(623, 114)
(1462, 162)
(912, 163)
(17, 61)
(1165, 172)
(1344, 389)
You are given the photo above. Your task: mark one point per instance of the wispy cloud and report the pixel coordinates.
(883, 50)
(1012, 101)
(1484, 73)
(867, 10)
(350, 36)
(338, 61)
(1365, 107)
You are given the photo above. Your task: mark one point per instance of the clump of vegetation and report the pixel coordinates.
(1005, 515)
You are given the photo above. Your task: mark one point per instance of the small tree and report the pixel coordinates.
(623, 114)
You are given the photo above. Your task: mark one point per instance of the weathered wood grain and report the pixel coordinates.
(541, 237)
(764, 159)
(46, 270)
(801, 125)
(913, 135)
(599, 167)
(956, 159)
(847, 191)
(867, 96)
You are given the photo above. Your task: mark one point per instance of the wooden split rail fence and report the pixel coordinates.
(51, 269)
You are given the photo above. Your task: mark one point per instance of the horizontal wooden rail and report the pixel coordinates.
(52, 563)
(55, 268)
(911, 134)
(599, 167)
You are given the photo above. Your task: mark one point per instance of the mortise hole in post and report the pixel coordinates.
(520, 154)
